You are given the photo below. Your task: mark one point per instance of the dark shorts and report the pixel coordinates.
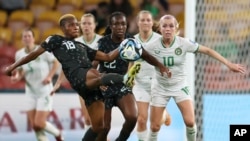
(77, 81)
(114, 93)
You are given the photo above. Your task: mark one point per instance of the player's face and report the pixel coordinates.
(145, 22)
(71, 28)
(87, 25)
(118, 26)
(28, 38)
(168, 28)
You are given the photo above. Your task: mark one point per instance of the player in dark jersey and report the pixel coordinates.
(75, 59)
(117, 95)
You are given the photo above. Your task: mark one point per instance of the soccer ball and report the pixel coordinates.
(130, 49)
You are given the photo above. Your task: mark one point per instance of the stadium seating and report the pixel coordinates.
(5, 36)
(78, 14)
(3, 19)
(67, 6)
(47, 19)
(37, 9)
(51, 31)
(20, 19)
(49, 3)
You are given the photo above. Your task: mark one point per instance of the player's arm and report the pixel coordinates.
(210, 52)
(107, 57)
(52, 72)
(18, 74)
(153, 61)
(31, 56)
(58, 83)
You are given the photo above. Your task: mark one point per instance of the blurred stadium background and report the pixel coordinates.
(221, 97)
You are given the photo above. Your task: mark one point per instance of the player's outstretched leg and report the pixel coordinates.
(130, 76)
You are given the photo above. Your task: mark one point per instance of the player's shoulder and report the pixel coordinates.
(105, 39)
(79, 39)
(54, 38)
(20, 51)
(98, 36)
(185, 41)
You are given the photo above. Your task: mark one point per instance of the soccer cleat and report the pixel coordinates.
(60, 137)
(128, 78)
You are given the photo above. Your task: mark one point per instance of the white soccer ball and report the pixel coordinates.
(130, 49)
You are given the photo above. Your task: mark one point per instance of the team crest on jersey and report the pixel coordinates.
(178, 51)
(157, 51)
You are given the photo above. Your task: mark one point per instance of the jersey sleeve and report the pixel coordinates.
(18, 56)
(91, 53)
(51, 42)
(192, 46)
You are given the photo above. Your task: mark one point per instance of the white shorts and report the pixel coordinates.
(161, 97)
(43, 103)
(142, 93)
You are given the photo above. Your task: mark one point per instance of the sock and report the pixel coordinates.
(152, 136)
(191, 133)
(41, 136)
(51, 129)
(90, 135)
(111, 78)
(142, 135)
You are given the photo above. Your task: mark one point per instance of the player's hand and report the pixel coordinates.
(8, 70)
(55, 88)
(103, 88)
(165, 72)
(15, 77)
(237, 68)
(47, 80)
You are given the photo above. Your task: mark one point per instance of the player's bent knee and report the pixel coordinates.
(142, 120)
(190, 123)
(155, 127)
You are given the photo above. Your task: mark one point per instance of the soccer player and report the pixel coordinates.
(117, 95)
(37, 75)
(75, 59)
(171, 50)
(142, 86)
(90, 38)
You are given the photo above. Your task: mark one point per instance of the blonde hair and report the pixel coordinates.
(88, 15)
(144, 12)
(65, 17)
(175, 22)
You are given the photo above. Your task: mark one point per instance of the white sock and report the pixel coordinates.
(152, 136)
(51, 129)
(142, 136)
(41, 136)
(191, 133)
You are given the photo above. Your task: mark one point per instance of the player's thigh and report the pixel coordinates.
(143, 108)
(128, 106)
(96, 113)
(92, 78)
(187, 111)
(31, 116)
(84, 110)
